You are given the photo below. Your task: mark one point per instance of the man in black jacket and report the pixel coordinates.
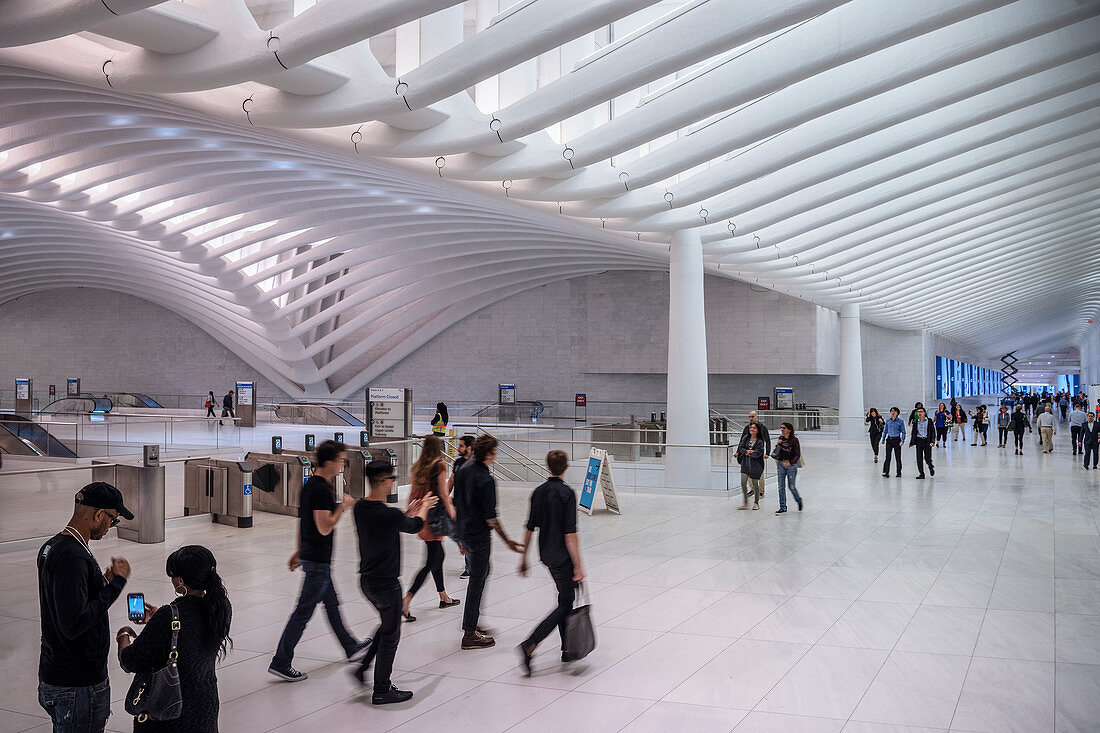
(554, 514)
(1090, 439)
(475, 500)
(227, 406)
(74, 595)
(922, 437)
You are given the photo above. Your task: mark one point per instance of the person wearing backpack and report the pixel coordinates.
(204, 613)
(429, 476)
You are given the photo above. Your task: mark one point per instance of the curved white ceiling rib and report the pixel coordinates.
(841, 151)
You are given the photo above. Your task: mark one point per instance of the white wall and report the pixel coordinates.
(1090, 357)
(893, 367)
(114, 343)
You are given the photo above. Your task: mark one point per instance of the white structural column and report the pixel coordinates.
(688, 394)
(851, 374)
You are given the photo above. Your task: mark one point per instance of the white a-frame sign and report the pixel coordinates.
(598, 474)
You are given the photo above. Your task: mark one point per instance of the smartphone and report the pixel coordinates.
(135, 602)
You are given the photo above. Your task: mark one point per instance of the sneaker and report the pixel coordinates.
(465, 574)
(477, 640)
(931, 470)
(799, 505)
(287, 673)
(360, 651)
(391, 695)
(525, 659)
(781, 511)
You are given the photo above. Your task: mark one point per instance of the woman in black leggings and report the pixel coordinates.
(1019, 424)
(875, 423)
(429, 476)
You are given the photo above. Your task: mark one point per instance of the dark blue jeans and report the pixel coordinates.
(317, 588)
(76, 709)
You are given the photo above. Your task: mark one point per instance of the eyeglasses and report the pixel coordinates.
(115, 518)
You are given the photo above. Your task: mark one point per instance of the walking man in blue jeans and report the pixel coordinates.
(318, 515)
(73, 596)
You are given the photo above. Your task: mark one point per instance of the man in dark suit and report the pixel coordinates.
(1090, 439)
(922, 437)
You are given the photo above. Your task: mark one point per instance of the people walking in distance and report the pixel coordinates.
(874, 429)
(942, 420)
(211, 402)
(227, 406)
(787, 454)
(913, 414)
(750, 454)
(763, 433)
(465, 448)
(204, 614)
(440, 420)
(1090, 439)
(73, 597)
(1004, 419)
(476, 505)
(958, 423)
(979, 424)
(924, 433)
(1047, 429)
(429, 477)
(893, 435)
(318, 515)
(1063, 406)
(553, 512)
(1077, 418)
(1019, 424)
(379, 528)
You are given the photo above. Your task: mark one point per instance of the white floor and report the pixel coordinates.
(967, 602)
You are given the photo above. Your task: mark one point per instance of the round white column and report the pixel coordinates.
(851, 375)
(688, 394)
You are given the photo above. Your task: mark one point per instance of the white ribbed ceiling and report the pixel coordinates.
(936, 162)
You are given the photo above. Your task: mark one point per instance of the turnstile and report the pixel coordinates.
(277, 480)
(222, 489)
(355, 479)
(142, 487)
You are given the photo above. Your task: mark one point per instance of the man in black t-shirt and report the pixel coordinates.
(475, 500)
(554, 513)
(379, 527)
(73, 596)
(318, 515)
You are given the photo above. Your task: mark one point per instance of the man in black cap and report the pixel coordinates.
(379, 527)
(74, 595)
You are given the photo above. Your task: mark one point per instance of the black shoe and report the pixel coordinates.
(360, 651)
(799, 505)
(525, 659)
(287, 673)
(390, 696)
(897, 475)
(448, 604)
(567, 657)
(931, 470)
(886, 475)
(465, 574)
(920, 475)
(781, 511)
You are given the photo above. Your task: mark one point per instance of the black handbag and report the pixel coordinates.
(580, 634)
(156, 695)
(440, 522)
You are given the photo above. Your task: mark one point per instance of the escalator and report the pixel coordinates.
(30, 434)
(315, 413)
(82, 404)
(132, 399)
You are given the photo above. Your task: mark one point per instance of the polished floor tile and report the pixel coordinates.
(966, 603)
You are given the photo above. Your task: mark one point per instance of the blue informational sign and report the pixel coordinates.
(248, 489)
(591, 479)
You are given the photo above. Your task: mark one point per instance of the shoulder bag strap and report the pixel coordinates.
(172, 653)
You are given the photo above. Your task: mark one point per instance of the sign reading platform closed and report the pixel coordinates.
(389, 412)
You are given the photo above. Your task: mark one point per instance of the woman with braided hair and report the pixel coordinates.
(205, 615)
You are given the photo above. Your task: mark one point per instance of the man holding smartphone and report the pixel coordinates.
(74, 595)
(318, 515)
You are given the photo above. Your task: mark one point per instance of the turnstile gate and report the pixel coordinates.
(277, 481)
(222, 489)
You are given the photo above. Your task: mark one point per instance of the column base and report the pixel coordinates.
(688, 468)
